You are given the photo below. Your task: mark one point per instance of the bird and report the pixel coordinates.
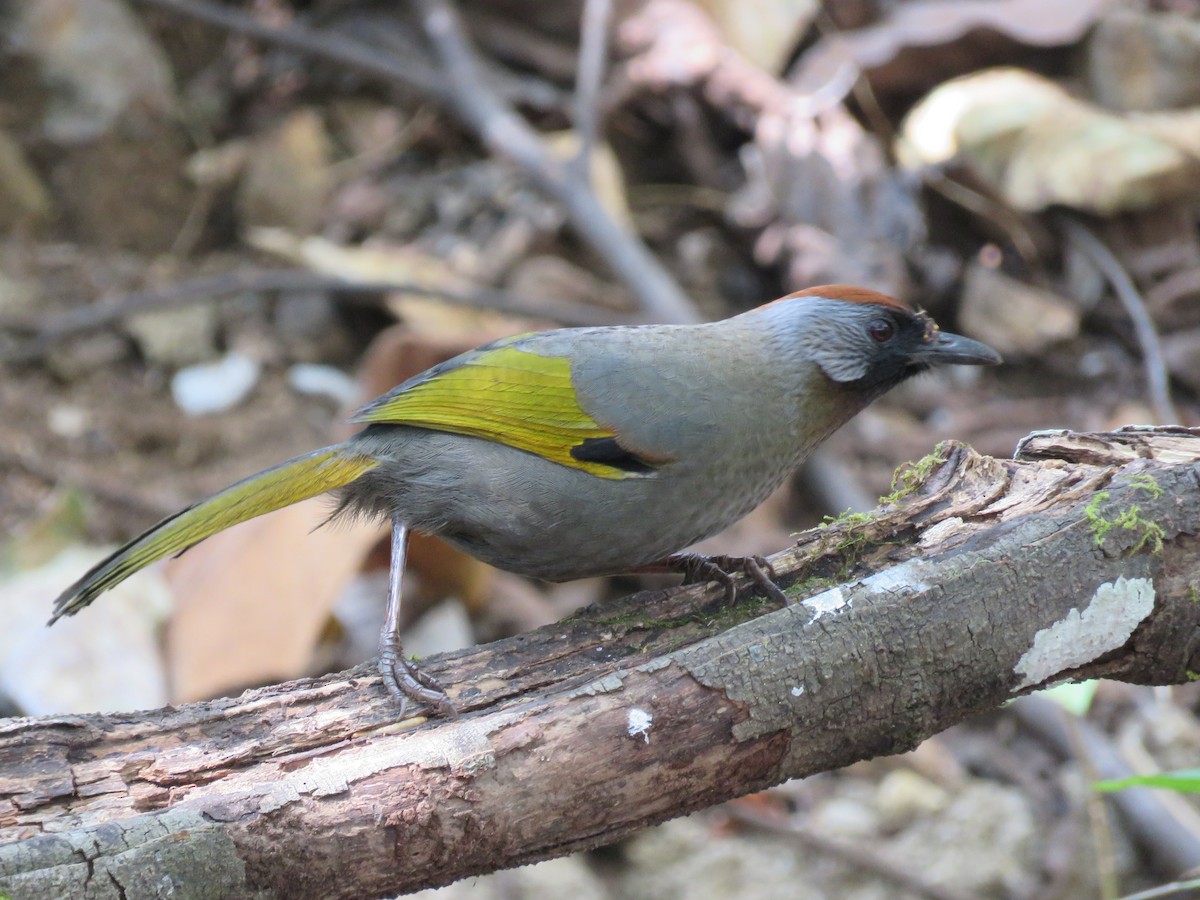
(578, 452)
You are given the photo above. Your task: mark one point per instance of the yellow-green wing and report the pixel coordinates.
(508, 395)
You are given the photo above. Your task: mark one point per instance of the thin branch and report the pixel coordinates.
(508, 135)
(593, 52)
(325, 44)
(89, 317)
(1166, 890)
(1157, 378)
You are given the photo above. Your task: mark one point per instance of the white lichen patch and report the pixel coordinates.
(463, 747)
(906, 578)
(1116, 609)
(825, 602)
(638, 724)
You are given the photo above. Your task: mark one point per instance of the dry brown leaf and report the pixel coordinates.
(251, 602)
(1038, 146)
(288, 176)
(396, 263)
(764, 31)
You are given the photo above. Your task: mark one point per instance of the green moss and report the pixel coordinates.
(847, 518)
(1148, 484)
(813, 585)
(1130, 519)
(1191, 676)
(748, 605)
(854, 536)
(911, 475)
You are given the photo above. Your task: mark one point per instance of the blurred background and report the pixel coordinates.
(225, 225)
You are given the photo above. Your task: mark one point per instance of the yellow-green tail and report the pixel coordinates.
(274, 488)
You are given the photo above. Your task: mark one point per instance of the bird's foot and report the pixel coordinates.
(699, 567)
(406, 682)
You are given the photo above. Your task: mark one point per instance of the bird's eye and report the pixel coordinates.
(881, 330)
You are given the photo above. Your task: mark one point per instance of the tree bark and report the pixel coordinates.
(988, 579)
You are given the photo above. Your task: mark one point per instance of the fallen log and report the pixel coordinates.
(979, 580)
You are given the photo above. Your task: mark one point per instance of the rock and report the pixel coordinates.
(984, 841)
(106, 661)
(215, 387)
(324, 381)
(98, 62)
(110, 106)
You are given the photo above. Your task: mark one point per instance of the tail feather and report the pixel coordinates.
(274, 488)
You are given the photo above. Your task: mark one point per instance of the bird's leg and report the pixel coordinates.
(699, 567)
(403, 679)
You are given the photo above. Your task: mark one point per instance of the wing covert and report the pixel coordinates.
(508, 395)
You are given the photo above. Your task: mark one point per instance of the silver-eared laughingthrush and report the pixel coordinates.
(585, 451)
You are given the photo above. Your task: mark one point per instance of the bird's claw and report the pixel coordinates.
(405, 682)
(698, 567)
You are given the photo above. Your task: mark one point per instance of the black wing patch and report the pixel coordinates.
(607, 452)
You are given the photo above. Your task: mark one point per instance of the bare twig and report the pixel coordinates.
(593, 48)
(508, 135)
(85, 318)
(1166, 890)
(325, 44)
(1157, 377)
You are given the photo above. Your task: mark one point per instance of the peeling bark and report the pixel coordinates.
(990, 578)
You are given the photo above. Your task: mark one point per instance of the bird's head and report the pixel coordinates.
(870, 342)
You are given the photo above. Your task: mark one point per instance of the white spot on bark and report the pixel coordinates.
(826, 602)
(906, 578)
(798, 691)
(1116, 609)
(639, 724)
